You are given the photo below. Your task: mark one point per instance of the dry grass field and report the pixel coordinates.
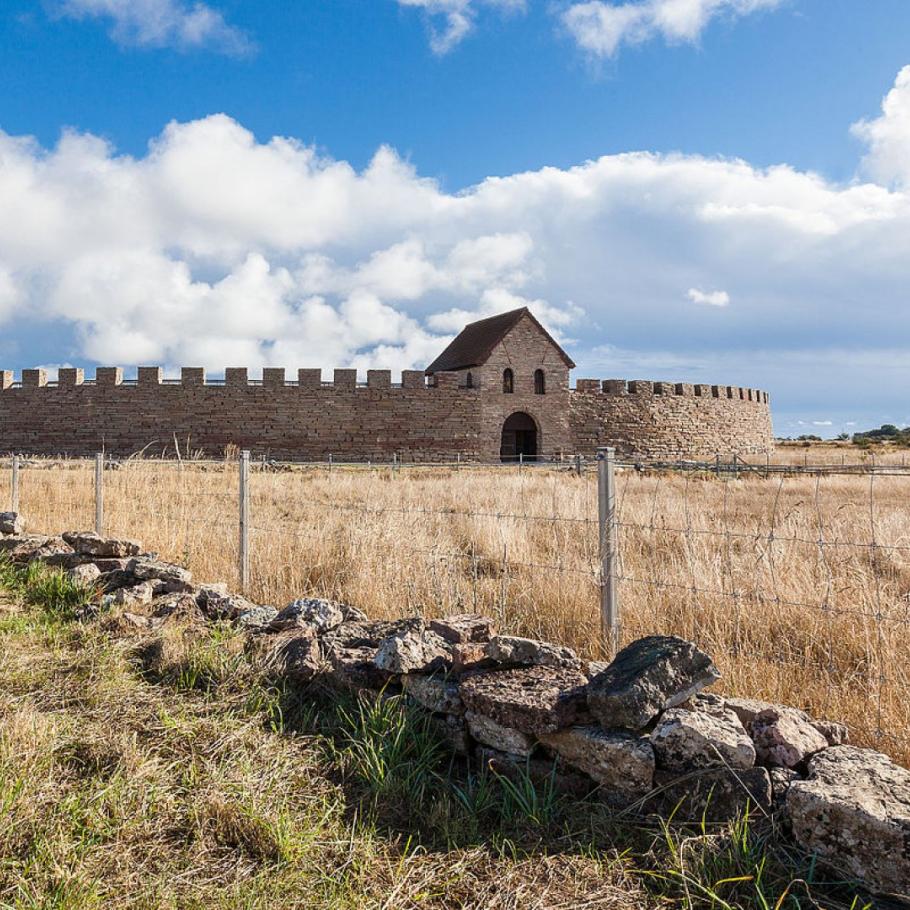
(798, 585)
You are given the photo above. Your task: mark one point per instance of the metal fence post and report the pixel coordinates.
(14, 486)
(244, 521)
(606, 509)
(99, 493)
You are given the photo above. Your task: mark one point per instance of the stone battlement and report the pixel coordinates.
(683, 389)
(272, 377)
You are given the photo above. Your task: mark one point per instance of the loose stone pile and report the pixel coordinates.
(639, 732)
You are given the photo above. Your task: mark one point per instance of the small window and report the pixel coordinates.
(540, 383)
(508, 385)
(469, 380)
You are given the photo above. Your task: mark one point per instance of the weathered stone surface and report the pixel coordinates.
(544, 772)
(154, 569)
(531, 699)
(438, 693)
(621, 762)
(11, 523)
(136, 595)
(715, 794)
(511, 651)
(86, 574)
(784, 737)
(413, 651)
(256, 617)
(177, 606)
(469, 656)
(26, 549)
(314, 612)
(781, 778)
(211, 591)
(294, 654)
(92, 544)
(491, 733)
(854, 812)
(368, 634)
(464, 627)
(685, 740)
(229, 606)
(353, 668)
(647, 677)
(747, 708)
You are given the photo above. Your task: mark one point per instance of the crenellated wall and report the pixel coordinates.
(416, 419)
(303, 418)
(663, 419)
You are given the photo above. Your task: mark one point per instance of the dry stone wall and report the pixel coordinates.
(640, 733)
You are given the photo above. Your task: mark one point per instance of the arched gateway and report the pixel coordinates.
(519, 438)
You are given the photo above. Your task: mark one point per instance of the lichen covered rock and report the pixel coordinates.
(648, 677)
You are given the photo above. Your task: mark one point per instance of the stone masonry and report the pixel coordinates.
(459, 409)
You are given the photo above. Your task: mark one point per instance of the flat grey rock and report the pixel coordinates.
(646, 678)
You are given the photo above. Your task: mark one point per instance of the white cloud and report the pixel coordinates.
(600, 28)
(456, 18)
(162, 23)
(888, 137)
(709, 298)
(173, 258)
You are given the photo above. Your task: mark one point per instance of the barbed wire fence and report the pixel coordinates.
(796, 579)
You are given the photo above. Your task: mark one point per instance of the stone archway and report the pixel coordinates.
(520, 438)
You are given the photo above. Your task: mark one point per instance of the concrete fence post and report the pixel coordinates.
(99, 493)
(521, 461)
(244, 548)
(14, 486)
(607, 546)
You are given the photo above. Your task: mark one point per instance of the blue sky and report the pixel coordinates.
(684, 194)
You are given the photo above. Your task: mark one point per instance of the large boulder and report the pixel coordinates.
(531, 699)
(854, 812)
(621, 762)
(437, 693)
(464, 627)
(512, 651)
(685, 740)
(785, 737)
(646, 678)
(416, 650)
(498, 736)
(11, 523)
(90, 544)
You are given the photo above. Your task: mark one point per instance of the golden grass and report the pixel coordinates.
(735, 564)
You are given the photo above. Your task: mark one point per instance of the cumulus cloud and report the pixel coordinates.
(162, 23)
(600, 28)
(171, 258)
(451, 20)
(888, 136)
(709, 298)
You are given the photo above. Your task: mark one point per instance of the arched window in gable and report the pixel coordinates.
(508, 382)
(540, 383)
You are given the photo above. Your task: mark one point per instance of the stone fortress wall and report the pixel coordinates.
(419, 419)
(663, 419)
